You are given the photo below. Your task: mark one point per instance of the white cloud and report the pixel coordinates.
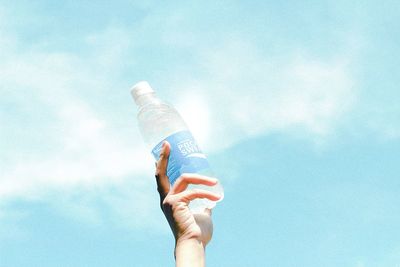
(250, 93)
(65, 145)
(55, 143)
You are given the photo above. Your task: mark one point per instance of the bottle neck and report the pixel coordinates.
(146, 99)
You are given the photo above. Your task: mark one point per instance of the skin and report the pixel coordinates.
(192, 232)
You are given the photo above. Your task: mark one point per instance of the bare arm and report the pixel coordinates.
(192, 232)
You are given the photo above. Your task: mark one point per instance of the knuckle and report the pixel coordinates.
(186, 176)
(162, 155)
(159, 173)
(179, 180)
(167, 202)
(162, 191)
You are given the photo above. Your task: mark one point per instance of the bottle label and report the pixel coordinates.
(185, 155)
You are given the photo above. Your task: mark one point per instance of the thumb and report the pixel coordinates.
(161, 171)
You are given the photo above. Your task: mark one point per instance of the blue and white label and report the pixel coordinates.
(185, 155)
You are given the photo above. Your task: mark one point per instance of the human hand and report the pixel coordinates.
(174, 202)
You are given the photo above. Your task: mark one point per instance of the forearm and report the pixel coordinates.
(190, 253)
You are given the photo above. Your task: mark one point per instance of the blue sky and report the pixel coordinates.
(295, 102)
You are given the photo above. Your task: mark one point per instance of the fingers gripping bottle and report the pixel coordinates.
(159, 121)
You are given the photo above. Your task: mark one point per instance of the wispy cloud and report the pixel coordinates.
(55, 138)
(251, 93)
(55, 143)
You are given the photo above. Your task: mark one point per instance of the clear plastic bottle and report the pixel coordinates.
(159, 121)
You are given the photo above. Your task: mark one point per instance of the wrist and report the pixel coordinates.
(190, 252)
(184, 240)
(188, 235)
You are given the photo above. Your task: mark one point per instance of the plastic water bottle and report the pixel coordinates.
(159, 121)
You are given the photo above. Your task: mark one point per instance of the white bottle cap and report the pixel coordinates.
(141, 88)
